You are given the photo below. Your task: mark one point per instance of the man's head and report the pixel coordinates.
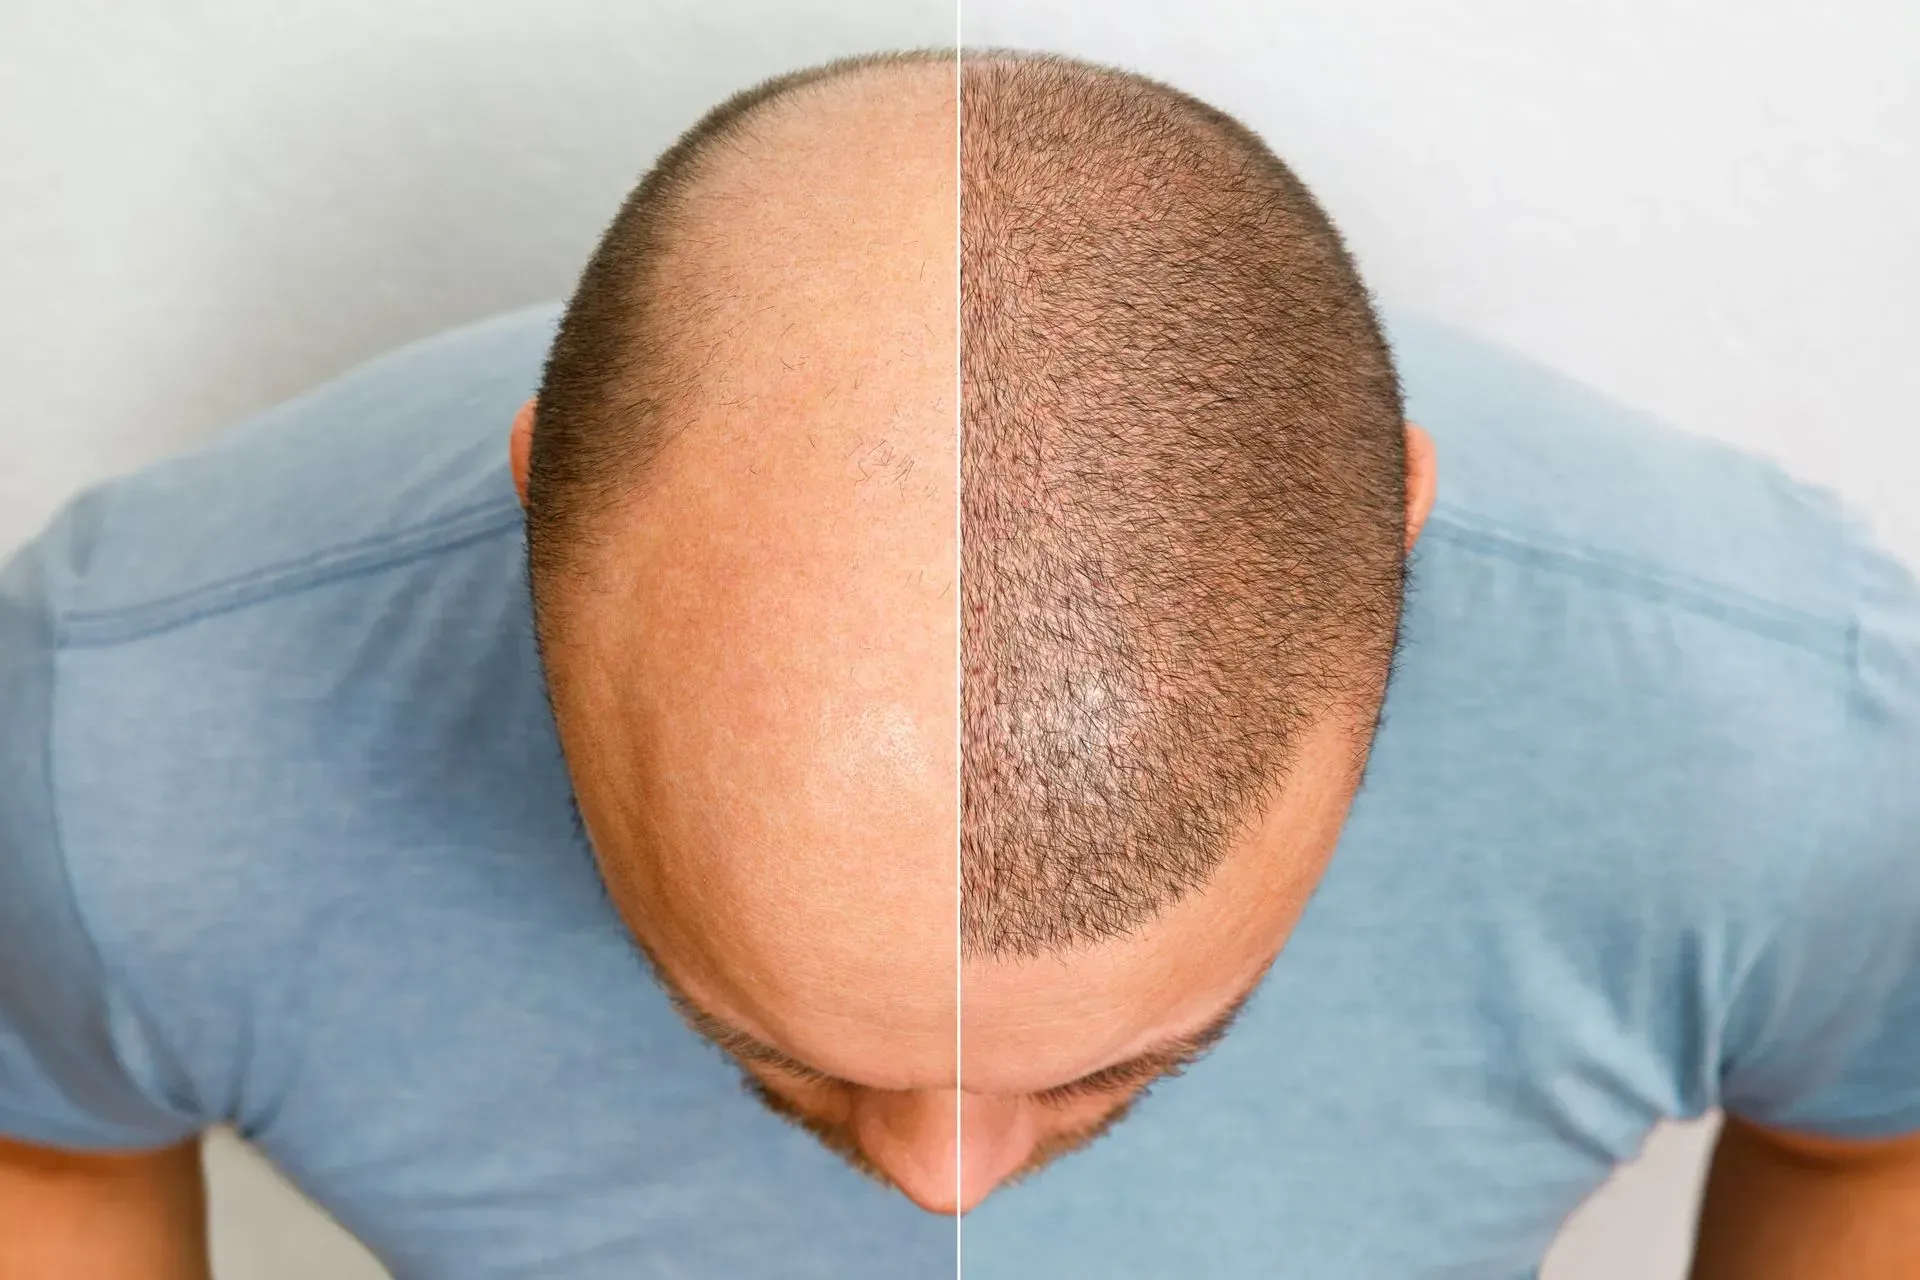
(969, 567)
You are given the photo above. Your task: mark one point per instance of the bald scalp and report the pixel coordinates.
(1182, 494)
(741, 516)
(628, 362)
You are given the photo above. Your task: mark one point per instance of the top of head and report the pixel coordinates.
(1180, 490)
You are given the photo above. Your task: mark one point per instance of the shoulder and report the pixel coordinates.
(1733, 586)
(252, 684)
(389, 460)
(1535, 466)
(73, 1070)
(1680, 634)
(1690, 689)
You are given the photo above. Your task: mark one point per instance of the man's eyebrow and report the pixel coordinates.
(1167, 1058)
(743, 1044)
(728, 1038)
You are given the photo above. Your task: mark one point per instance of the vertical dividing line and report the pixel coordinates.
(959, 671)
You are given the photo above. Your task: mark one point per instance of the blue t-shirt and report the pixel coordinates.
(286, 842)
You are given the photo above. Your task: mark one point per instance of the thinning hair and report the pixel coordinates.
(611, 384)
(1182, 474)
(1182, 494)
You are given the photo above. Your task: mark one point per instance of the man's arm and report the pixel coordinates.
(1796, 1207)
(102, 1217)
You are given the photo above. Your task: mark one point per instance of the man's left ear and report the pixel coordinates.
(520, 448)
(1421, 472)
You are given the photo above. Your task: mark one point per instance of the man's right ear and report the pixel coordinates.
(520, 448)
(1421, 471)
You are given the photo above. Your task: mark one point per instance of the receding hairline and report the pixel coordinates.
(676, 174)
(790, 89)
(611, 378)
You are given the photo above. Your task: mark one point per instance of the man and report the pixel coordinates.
(955, 865)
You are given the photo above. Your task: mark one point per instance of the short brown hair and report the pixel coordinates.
(1182, 493)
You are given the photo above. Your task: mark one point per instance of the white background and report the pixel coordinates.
(1708, 209)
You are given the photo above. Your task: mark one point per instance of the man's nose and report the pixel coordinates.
(915, 1139)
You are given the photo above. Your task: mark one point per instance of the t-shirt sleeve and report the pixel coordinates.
(1824, 1036)
(69, 1046)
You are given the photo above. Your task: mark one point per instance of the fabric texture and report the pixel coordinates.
(286, 842)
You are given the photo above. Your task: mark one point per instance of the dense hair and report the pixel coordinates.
(1182, 494)
(610, 385)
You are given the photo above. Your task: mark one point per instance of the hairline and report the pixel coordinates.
(563, 526)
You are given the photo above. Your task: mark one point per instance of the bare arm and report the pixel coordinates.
(1796, 1207)
(102, 1217)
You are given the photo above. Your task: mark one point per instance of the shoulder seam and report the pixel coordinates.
(1825, 636)
(87, 628)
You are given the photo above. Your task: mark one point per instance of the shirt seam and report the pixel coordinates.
(113, 986)
(1816, 837)
(1826, 636)
(83, 628)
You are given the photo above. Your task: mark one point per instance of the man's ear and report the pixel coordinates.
(520, 448)
(1421, 471)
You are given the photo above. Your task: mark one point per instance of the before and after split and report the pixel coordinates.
(889, 639)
